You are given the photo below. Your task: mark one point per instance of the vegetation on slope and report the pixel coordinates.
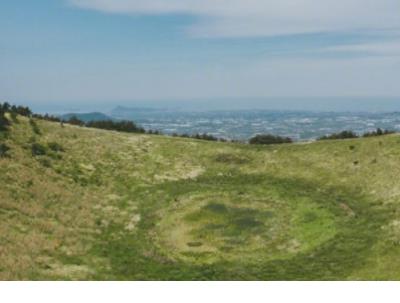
(347, 134)
(269, 139)
(79, 203)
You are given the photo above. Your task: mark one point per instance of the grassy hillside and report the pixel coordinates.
(78, 204)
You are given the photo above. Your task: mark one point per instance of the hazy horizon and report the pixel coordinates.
(322, 104)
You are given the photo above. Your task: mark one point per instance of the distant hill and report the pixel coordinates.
(87, 117)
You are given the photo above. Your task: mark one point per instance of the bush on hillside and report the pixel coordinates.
(4, 123)
(121, 126)
(34, 126)
(3, 150)
(269, 139)
(56, 147)
(204, 136)
(14, 117)
(346, 134)
(38, 149)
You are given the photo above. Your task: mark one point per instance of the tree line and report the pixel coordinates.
(14, 111)
(119, 126)
(347, 134)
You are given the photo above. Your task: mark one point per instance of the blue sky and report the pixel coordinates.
(116, 51)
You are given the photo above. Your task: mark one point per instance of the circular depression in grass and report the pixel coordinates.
(250, 225)
(246, 227)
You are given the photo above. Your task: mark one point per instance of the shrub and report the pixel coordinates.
(34, 126)
(204, 137)
(121, 126)
(3, 150)
(38, 149)
(14, 117)
(45, 162)
(56, 147)
(269, 139)
(4, 123)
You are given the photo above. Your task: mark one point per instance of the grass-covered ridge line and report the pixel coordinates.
(79, 203)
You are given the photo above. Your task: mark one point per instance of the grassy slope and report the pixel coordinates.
(129, 207)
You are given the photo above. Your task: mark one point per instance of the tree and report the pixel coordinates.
(5, 106)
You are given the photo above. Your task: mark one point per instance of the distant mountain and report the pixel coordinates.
(87, 117)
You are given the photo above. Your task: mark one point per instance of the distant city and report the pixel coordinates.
(243, 124)
(301, 119)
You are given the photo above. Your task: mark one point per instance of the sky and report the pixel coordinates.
(116, 51)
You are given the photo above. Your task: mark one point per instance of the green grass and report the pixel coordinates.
(101, 205)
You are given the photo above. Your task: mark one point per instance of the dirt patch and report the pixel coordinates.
(347, 209)
(73, 272)
(194, 173)
(180, 174)
(133, 222)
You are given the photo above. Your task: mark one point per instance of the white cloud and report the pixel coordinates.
(233, 18)
(386, 48)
